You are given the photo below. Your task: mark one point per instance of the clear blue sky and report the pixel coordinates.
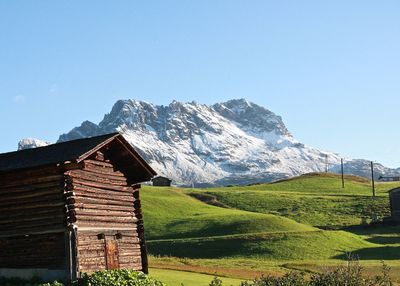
(331, 69)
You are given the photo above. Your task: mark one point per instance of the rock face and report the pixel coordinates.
(233, 142)
(362, 168)
(28, 143)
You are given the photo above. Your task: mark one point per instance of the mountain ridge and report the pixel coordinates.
(232, 142)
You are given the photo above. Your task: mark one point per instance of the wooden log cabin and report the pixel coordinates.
(161, 181)
(394, 196)
(72, 207)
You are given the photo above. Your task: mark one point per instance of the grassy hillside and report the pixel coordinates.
(268, 227)
(323, 183)
(283, 246)
(170, 213)
(314, 199)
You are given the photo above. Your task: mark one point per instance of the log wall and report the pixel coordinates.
(33, 251)
(32, 219)
(394, 196)
(105, 209)
(92, 255)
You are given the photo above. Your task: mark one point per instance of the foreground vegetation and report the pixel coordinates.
(349, 275)
(303, 225)
(298, 224)
(177, 278)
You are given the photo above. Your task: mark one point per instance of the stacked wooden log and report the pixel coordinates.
(33, 251)
(71, 207)
(32, 212)
(101, 201)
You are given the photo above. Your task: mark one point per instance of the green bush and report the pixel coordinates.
(289, 279)
(100, 278)
(118, 277)
(34, 281)
(348, 275)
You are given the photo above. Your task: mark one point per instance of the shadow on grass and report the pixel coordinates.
(385, 239)
(374, 253)
(207, 248)
(379, 228)
(194, 228)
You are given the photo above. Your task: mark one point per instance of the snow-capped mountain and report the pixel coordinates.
(361, 167)
(28, 143)
(234, 142)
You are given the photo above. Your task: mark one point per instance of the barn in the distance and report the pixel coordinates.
(161, 181)
(72, 207)
(394, 196)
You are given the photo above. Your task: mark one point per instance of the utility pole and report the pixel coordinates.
(326, 163)
(341, 163)
(373, 180)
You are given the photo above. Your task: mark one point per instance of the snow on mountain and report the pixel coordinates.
(361, 167)
(28, 143)
(234, 142)
(227, 143)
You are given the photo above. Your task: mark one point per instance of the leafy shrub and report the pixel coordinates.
(34, 281)
(349, 275)
(100, 278)
(118, 277)
(289, 279)
(216, 281)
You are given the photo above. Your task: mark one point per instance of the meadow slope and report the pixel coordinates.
(299, 223)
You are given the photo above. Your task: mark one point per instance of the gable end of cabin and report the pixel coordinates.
(77, 210)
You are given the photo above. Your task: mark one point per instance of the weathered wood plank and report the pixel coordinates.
(101, 207)
(99, 163)
(100, 176)
(29, 194)
(104, 224)
(31, 208)
(103, 171)
(27, 181)
(85, 192)
(106, 213)
(45, 250)
(33, 200)
(100, 185)
(30, 187)
(100, 218)
(94, 201)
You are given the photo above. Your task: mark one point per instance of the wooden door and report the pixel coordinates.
(111, 251)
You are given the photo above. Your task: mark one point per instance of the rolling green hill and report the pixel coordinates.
(285, 223)
(171, 213)
(315, 199)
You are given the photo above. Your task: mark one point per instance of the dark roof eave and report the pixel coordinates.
(134, 154)
(61, 156)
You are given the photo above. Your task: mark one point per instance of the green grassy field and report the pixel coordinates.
(315, 199)
(301, 223)
(178, 278)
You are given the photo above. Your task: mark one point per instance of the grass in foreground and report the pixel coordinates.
(247, 268)
(177, 278)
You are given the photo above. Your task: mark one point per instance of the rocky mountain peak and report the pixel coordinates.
(233, 142)
(29, 143)
(252, 116)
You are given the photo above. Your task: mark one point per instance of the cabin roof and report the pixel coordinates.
(161, 177)
(395, 190)
(74, 151)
